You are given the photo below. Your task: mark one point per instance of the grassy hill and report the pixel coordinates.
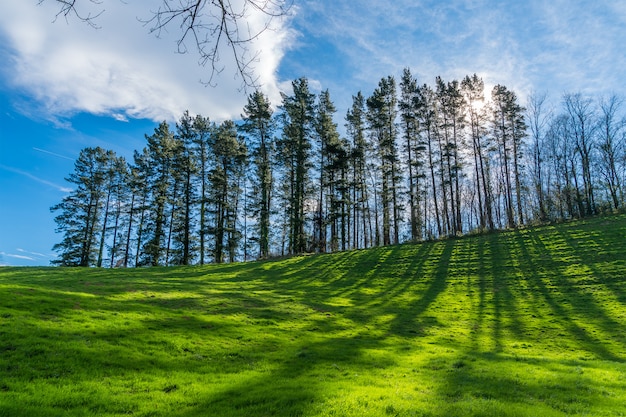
(521, 323)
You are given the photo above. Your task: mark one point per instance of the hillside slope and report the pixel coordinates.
(520, 323)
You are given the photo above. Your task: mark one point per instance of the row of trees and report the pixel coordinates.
(417, 162)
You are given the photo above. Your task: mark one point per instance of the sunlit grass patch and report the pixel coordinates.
(521, 323)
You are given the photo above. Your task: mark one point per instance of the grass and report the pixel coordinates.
(522, 323)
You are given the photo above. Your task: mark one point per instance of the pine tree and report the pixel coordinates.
(186, 162)
(333, 163)
(473, 90)
(509, 129)
(295, 153)
(427, 116)
(139, 182)
(160, 153)
(259, 125)
(360, 148)
(451, 106)
(119, 201)
(200, 144)
(189, 195)
(135, 184)
(111, 190)
(229, 154)
(80, 218)
(381, 118)
(413, 147)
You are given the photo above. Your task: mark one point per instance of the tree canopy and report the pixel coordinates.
(417, 162)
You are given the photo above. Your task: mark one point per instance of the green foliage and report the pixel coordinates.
(97, 177)
(381, 116)
(298, 119)
(259, 126)
(521, 323)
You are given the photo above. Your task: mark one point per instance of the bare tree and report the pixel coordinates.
(208, 25)
(538, 120)
(583, 126)
(612, 136)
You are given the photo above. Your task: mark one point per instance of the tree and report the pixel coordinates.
(565, 197)
(612, 136)
(259, 125)
(188, 168)
(209, 25)
(139, 183)
(413, 147)
(443, 148)
(360, 147)
(116, 180)
(538, 119)
(108, 174)
(195, 179)
(332, 167)
(229, 154)
(160, 152)
(427, 116)
(381, 117)
(202, 129)
(135, 186)
(509, 129)
(295, 154)
(451, 124)
(582, 123)
(80, 219)
(473, 89)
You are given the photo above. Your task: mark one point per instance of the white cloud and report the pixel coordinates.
(120, 69)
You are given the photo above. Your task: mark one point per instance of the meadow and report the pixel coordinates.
(528, 322)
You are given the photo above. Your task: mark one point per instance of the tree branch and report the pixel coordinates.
(68, 7)
(209, 25)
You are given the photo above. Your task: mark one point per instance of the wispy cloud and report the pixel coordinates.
(15, 256)
(564, 45)
(35, 178)
(30, 253)
(53, 154)
(21, 256)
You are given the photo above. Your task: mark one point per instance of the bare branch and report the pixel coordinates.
(209, 25)
(68, 7)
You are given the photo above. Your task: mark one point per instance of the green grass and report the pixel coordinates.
(521, 323)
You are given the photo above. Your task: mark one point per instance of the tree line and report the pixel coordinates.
(417, 162)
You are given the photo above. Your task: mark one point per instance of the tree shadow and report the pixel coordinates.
(349, 311)
(563, 296)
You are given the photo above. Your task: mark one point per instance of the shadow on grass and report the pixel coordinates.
(573, 308)
(499, 384)
(530, 277)
(325, 318)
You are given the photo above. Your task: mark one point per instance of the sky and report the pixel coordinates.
(66, 85)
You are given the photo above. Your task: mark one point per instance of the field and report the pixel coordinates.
(529, 322)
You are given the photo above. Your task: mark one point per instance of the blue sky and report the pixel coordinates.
(65, 85)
